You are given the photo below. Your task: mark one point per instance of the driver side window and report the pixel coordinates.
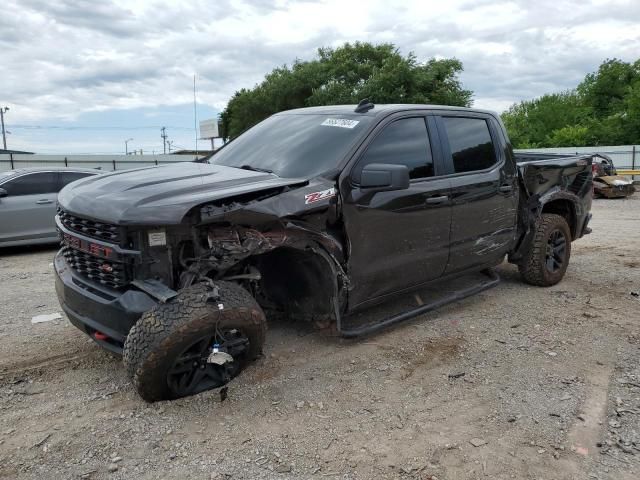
(402, 142)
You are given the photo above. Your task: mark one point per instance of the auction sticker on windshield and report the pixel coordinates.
(340, 122)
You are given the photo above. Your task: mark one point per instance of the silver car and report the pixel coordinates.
(28, 203)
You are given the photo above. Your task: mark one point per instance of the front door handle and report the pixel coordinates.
(437, 200)
(44, 202)
(505, 188)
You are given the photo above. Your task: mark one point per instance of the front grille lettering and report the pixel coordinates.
(99, 250)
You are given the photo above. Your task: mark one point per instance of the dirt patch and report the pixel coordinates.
(433, 353)
(39, 367)
(586, 431)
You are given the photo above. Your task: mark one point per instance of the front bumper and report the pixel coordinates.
(104, 314)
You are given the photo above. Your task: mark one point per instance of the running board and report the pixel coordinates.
(494, 279)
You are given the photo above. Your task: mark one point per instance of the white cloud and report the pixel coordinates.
(62, 59)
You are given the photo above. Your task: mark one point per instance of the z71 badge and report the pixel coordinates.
(317, 196)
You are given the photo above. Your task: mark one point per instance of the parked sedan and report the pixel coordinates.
(28, 203)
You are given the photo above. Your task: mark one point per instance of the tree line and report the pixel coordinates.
(604, 109)
(346, 75)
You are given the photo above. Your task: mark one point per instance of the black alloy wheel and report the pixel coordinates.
(556, 251)
(198, 341)
(193, 373)
(546, 259)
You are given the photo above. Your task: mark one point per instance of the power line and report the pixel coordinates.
(59, 127)
(49, 151)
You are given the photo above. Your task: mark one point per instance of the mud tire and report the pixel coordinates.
(162, 333)
(533, 269)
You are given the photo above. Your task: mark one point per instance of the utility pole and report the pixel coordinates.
(126, 146)
(4, 135)
(163, 135)
(169, 143)
(195, 112)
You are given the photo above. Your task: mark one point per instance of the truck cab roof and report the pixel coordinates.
(379, 109)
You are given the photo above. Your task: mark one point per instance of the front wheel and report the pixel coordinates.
(198, 341)
(547, 259)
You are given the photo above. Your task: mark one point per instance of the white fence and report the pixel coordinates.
(624, 156)
(12, 161)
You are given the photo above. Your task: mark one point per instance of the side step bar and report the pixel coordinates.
(494, 279)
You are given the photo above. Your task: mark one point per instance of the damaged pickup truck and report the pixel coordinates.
(312, 215)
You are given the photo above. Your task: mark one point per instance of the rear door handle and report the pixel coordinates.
(44, 202)
(505, 188)
(437, 200)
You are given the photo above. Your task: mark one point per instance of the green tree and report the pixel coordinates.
(346, 75)
(632, 112)
(604, 109)
(605, 90)
(574, 136)
(532, 123)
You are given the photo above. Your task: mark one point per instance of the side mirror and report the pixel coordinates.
(384, 177)
(3, 193)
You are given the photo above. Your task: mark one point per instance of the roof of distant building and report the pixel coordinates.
(14, 151)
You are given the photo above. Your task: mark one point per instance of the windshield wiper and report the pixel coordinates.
(256, 169)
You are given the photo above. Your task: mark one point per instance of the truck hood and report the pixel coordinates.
(161, 195)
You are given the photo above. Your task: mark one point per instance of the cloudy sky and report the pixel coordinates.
(84, 75)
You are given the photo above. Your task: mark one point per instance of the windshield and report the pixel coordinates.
(294, 145)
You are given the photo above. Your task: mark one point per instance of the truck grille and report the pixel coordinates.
(90, 228)
(107, 273)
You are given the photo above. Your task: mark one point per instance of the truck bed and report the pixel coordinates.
(544, 172)
(529, 157)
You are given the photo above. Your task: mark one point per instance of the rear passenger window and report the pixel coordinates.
(68, 177)
(403, 142)
(470, 143)
(33, 184)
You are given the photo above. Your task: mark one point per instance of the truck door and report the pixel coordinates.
(484, 191)
(397, 239)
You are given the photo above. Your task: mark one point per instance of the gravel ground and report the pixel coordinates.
(517, 382)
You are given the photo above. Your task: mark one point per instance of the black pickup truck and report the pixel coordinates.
(313, 214)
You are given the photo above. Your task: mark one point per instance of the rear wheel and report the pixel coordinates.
(547, 259)
(198, 341)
